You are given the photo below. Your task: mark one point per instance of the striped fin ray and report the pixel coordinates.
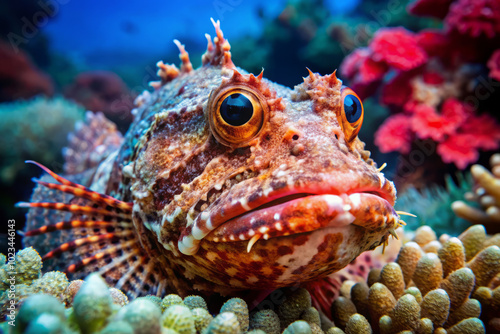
(81, 191)
(82, 231)
(66, 225)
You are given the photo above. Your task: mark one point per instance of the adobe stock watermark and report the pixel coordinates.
(223, 6)
(31, 25)
(11, 272)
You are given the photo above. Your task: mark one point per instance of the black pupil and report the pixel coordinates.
(236, 109)
(352, 108)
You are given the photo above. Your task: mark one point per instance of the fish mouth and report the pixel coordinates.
(288, 211)
(302, 213)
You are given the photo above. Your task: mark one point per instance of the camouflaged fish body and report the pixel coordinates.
(225, 181)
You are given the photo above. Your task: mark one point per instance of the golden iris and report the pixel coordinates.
(236, 115)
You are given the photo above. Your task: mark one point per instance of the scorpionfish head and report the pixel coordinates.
(244, 183)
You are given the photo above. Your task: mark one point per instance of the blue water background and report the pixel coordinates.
(97, 33)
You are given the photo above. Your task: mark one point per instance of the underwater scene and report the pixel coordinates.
(235, 166)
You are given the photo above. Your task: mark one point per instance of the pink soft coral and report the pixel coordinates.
(394, 134)
(459, 149)
(475, 17)
(398, 48)
(427, 123)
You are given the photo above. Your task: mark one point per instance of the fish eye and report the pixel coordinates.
(236, 109)
(352, 108)
(236, 114)
(352, 113)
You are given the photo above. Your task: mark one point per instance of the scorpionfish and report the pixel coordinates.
(224, 182)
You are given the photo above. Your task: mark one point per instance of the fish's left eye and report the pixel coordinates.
(352, 113)
(236, 115)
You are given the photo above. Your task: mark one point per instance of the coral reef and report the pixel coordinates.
(437, 88)
(28, 279)
(445, 285)
(105, 92)
(486, 193)
(19, 78)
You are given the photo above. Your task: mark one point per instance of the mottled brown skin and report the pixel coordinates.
(304, 185)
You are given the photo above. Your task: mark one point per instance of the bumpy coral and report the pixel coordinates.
(239, 307)
(169, 300)
(487, 193)
(35, 307)
(445, 285)
(93, 307)
(180, 319)
(22, 277)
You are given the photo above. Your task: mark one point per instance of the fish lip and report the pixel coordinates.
(205, 225)
(228, 231)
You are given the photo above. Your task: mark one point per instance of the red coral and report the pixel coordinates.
(398, 47)
(427, 123)
(459, 149)
(494, 65)
(394, 134)
(433, 8)
(455, 113)
(472, 133)
(474, 17)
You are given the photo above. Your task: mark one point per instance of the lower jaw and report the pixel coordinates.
(286, 260)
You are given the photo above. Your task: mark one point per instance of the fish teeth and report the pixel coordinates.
(252, 241)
